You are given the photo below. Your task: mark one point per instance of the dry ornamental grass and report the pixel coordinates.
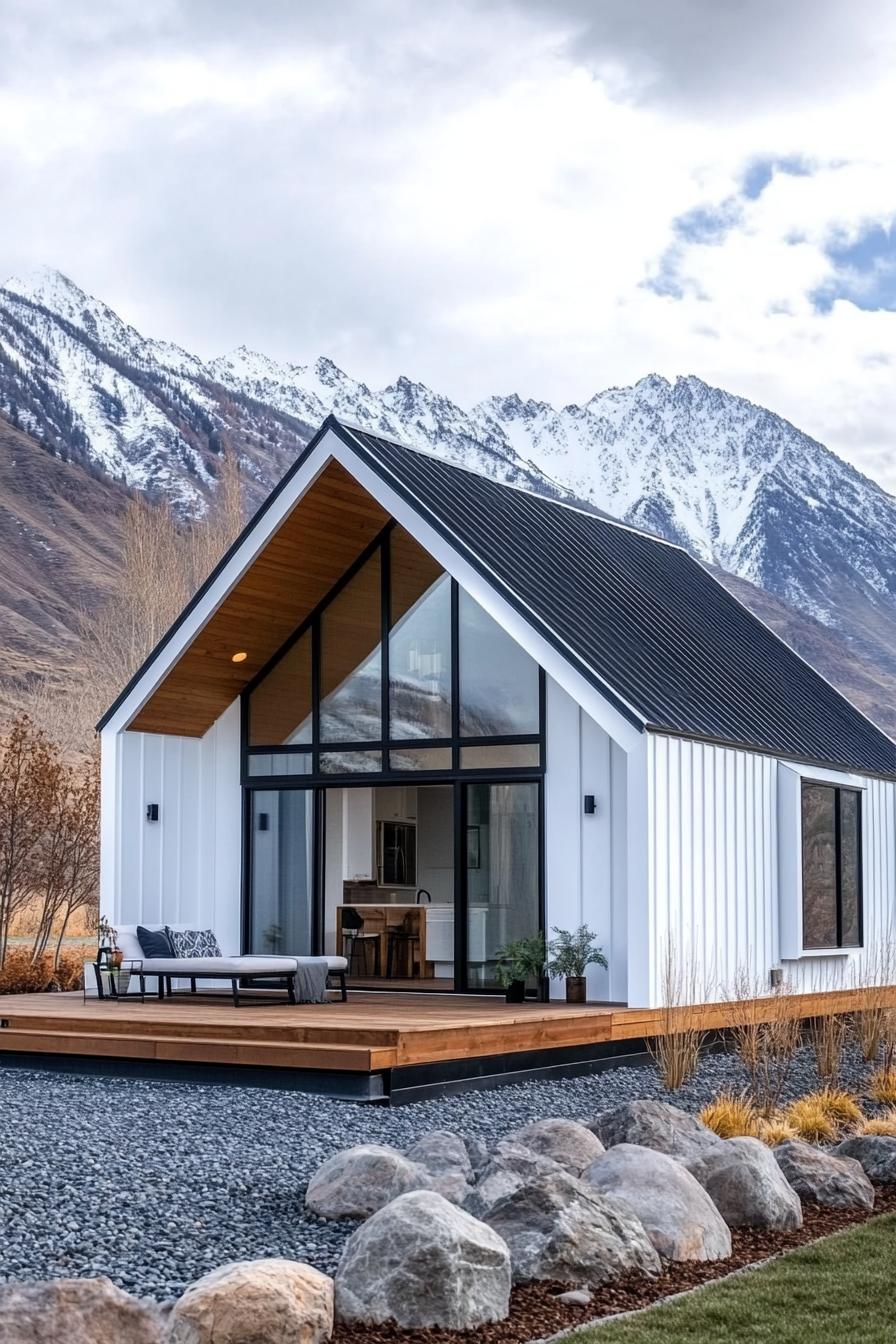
(775, 1129)
(731, 1116)
(882, 1086)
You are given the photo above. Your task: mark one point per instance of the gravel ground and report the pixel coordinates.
(155, 1183)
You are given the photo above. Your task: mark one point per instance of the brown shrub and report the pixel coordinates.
(20, 975)
(70, 968)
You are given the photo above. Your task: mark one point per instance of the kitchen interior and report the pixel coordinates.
(389, 886)
(390, 889)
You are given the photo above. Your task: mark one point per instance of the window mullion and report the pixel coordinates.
(385, 626)
(455, 674)
(838, 865)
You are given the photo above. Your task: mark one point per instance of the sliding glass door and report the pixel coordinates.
(282, 888)
(502, 862)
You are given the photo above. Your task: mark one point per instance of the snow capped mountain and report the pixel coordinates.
(737, 485)
(91, 388)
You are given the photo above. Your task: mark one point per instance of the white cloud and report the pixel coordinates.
(475, 194)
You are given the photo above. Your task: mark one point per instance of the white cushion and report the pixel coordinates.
(129, 944)
(184, 967)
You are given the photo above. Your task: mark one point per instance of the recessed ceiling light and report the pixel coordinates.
(239, 657)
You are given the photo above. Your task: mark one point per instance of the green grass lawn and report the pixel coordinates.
(840, 1290)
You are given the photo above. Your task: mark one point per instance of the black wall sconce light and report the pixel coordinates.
(590, 805)
(152, 811)
(262, 821)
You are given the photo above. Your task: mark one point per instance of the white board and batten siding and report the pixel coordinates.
(586, 855)
(724, 879)
(184, 868)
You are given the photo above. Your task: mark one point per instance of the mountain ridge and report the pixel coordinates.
(741, 488)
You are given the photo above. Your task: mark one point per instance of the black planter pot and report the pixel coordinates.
(515, 992)
(575, 989)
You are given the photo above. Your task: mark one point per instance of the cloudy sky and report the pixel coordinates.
(543, 196)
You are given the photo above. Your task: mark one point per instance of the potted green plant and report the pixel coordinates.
(569, 956)
(518, 961)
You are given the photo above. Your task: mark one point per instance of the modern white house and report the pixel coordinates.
(415, 713)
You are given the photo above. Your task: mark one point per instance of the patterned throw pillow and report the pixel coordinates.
(193, 943)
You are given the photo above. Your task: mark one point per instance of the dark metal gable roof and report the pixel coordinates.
(637, 615)
(644, 622)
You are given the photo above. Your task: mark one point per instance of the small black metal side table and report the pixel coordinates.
(118, 979)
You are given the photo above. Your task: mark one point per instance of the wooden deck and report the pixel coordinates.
(368, 1034)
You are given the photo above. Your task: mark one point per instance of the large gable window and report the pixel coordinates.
(351, 660)
(397, 671)
(831, 866)
(498, 679)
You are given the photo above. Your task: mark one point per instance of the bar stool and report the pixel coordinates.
(358, 941)
(404, 939)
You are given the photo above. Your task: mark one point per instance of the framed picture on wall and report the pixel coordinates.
(472, 846)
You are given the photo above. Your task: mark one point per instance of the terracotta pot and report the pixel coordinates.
(575, 989)
(515, 992)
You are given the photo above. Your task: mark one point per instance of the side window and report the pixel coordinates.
(832, 866)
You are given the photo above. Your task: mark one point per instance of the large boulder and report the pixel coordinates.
(509, 1168)
(566, 1142)
(358, 1181)
(255, 1302)
(876, 1154)
(557, 1227)
(676, 1212)
(747, 1186)
(824, 1178)
(423, 1262)
(76, 1311)
(657, 1125)
(445, 1157)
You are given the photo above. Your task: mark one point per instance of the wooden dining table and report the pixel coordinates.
(379, 919)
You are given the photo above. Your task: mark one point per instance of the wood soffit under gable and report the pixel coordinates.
(324, 534)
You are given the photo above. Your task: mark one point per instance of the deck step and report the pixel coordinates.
(248, 1025)
(198, 1050)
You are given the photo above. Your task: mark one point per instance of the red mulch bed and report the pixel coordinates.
(535, 1312)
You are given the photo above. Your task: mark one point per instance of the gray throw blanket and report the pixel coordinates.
(311, 981)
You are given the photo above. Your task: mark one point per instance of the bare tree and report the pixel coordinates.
(69, 861)
(164, 560)
(28, 783)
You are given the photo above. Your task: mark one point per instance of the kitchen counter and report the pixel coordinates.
(435, 919)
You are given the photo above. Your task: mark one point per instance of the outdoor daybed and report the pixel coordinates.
(211, 965)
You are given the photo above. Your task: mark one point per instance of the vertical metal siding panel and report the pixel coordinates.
(674, 838)
(189, 901)
(698, 902)
(710, 913)
(659, 886)
(619, 949)
(732, 911)
(769, 825)
(750, 841)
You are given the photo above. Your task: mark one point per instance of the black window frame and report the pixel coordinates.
(837, 790)
(387, 744)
